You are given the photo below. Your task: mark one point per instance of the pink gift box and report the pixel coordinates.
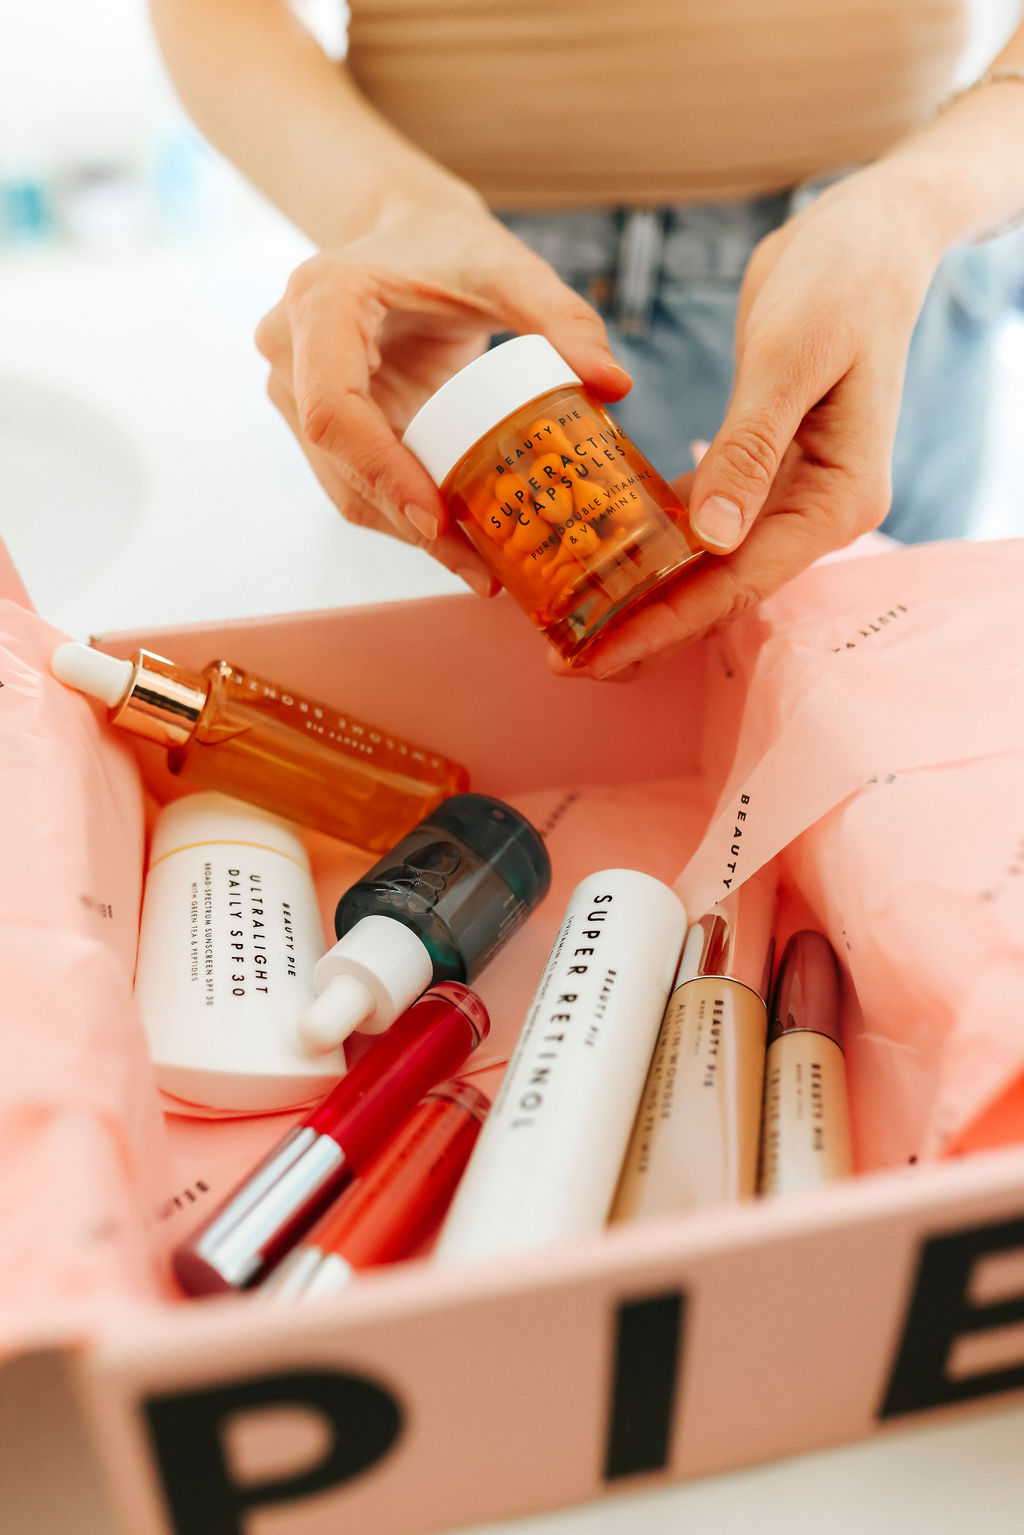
(422, 1398)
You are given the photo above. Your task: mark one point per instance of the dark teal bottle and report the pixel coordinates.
(464, 880)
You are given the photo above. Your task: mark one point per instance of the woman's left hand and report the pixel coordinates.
(801, 465)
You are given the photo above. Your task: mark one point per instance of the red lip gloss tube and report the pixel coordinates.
(399, 1201)
(264, 1217)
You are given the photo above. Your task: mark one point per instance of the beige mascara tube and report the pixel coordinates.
(697, 1133)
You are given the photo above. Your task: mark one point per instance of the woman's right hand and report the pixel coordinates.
(364, 334)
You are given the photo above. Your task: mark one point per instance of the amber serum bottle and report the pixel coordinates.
(696, 1136)
(565, 509)
(226, 729)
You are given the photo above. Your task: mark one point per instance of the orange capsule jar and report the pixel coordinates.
(567, 512)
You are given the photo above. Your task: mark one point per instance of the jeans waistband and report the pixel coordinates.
(618, 256)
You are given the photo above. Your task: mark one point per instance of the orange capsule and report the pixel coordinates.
(581, 539)
(547, 469)
(492, 519)
(509, 488)
(590, 498)
(565, 588)
(549, 436)
(529, 533)
(561, 555)
(588, 426)
(556, 506)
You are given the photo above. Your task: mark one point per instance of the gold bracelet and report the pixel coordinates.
(990, 77)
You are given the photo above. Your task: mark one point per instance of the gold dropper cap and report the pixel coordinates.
(162, 702)
(149, 695)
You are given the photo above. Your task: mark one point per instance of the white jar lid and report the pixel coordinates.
(479, 396)
(214, 817)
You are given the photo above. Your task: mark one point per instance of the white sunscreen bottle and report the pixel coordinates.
(229, 939)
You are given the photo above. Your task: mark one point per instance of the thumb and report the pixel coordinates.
(733, 478)
(539, 301)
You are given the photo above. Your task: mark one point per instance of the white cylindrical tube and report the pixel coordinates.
(548, 1157)
(229, 938)
(806, 1135)
(697, 1133)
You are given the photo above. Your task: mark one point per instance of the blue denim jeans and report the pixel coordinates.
(667, 284)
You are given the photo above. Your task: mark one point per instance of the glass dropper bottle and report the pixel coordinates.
(227, 729)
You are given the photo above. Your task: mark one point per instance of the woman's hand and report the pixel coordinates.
(366, 333)
(801, 465)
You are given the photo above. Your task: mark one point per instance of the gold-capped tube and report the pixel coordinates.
(696, 1136)
(736, 936)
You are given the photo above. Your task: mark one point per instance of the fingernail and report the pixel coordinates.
(426, 523)
(624, 672)
(718, 522)
(616, 367)
(604, 669)
(698, 448)
(478, 580)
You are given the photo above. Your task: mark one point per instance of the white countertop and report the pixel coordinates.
(963, 1478)
(144, 475)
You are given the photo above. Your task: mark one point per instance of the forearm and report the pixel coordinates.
(968, 163)
(265, 94)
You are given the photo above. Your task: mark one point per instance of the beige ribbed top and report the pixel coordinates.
(558, 103)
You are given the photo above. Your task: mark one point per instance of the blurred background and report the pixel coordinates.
(144, 476)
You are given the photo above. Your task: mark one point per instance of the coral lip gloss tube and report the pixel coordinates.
(263, 1218)
(806, 1136)
(396, 1205)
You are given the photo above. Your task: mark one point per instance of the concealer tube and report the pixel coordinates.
(697, 1133)
(806, 1132)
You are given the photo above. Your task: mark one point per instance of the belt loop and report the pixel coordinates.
(636, 277)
